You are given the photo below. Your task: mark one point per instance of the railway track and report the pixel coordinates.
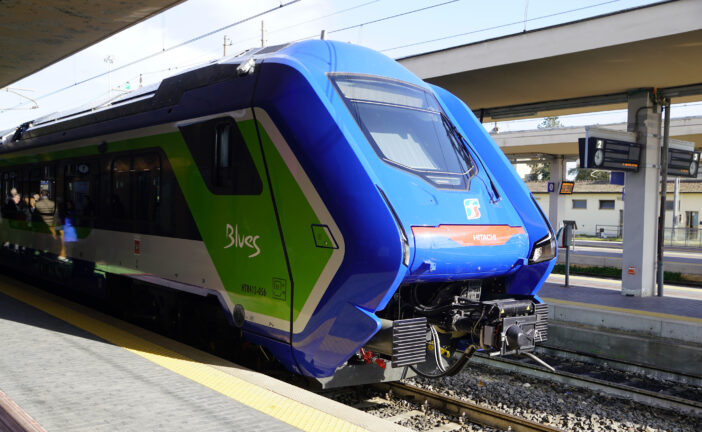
(648, 397)
(658, 373)
(467, 412)
(464, 410)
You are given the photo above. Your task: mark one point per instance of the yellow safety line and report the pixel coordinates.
(623, 310)
(266, 401)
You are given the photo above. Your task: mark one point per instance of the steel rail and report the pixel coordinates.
(463, 409)
(656, 372)
(619, 390)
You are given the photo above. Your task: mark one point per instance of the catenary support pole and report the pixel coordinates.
(664, 187)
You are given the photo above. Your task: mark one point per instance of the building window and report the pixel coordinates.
(606, 204)
(579, 204)
(669, 205)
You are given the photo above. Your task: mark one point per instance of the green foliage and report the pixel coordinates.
(540, 170)
(587, 174)
(550, 123)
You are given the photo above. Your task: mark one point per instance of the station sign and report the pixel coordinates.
(683, 160)
(609, 150)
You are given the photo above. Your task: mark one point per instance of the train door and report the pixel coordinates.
(313, 244)
(231, 202)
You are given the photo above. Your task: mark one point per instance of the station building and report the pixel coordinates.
(598, 208)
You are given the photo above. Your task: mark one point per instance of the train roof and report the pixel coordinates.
(314, 58)
(151, 97)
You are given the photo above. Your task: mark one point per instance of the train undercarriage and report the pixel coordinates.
(434, 328)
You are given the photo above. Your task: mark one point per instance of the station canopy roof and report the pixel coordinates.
(35, 34)
(582, 66)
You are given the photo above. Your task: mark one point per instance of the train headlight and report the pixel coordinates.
(544, 249)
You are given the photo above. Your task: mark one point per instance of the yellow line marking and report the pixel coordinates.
(623, 310)
(275, 405)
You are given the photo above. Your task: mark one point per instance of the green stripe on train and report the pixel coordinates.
(240, 232)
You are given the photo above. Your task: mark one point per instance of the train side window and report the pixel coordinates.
(47, 180)
(147, 186)
(80, 185)
(120, 197)
(34, 179)
(222, 156)
(5, 188)
(8, 182)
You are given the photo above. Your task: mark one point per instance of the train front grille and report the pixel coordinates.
(409, 344)
(541, 327)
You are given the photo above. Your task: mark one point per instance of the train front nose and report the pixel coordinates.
(467, 251)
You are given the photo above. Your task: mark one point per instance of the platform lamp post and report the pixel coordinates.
(109, 60)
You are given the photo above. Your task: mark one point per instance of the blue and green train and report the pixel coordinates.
(351, 219)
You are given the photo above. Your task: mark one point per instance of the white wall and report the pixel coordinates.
(688, 202)
(588, 219)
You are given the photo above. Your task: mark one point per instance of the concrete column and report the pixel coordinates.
(556, 201)
(641, 200)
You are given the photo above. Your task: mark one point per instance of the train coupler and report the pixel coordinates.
(520, 325)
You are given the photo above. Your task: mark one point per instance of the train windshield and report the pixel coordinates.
(407, 129)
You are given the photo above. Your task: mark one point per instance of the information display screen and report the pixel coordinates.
(683, 163)
(609, 154)
(567, 187)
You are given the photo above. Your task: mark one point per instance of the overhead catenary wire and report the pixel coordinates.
(212, 56)
(241, 22)
(165, 50)
(240, 42)
(375, 21)
(524, 21)
(370, 22)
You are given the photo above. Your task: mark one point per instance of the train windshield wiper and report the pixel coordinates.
(457, 135)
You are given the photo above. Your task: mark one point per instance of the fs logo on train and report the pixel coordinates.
(472, 208)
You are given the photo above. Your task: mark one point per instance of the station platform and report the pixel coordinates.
(65, 367)
(592, 315)
(687, 261)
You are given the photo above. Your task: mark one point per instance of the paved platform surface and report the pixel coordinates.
(73, 369)
(598, 304)
(678, 302)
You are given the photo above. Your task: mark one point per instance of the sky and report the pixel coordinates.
(159, 47)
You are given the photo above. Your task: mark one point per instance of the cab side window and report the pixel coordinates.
(222, 157)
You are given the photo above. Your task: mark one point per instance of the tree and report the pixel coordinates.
(541, 170)
(550, 123)
(589, 174)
